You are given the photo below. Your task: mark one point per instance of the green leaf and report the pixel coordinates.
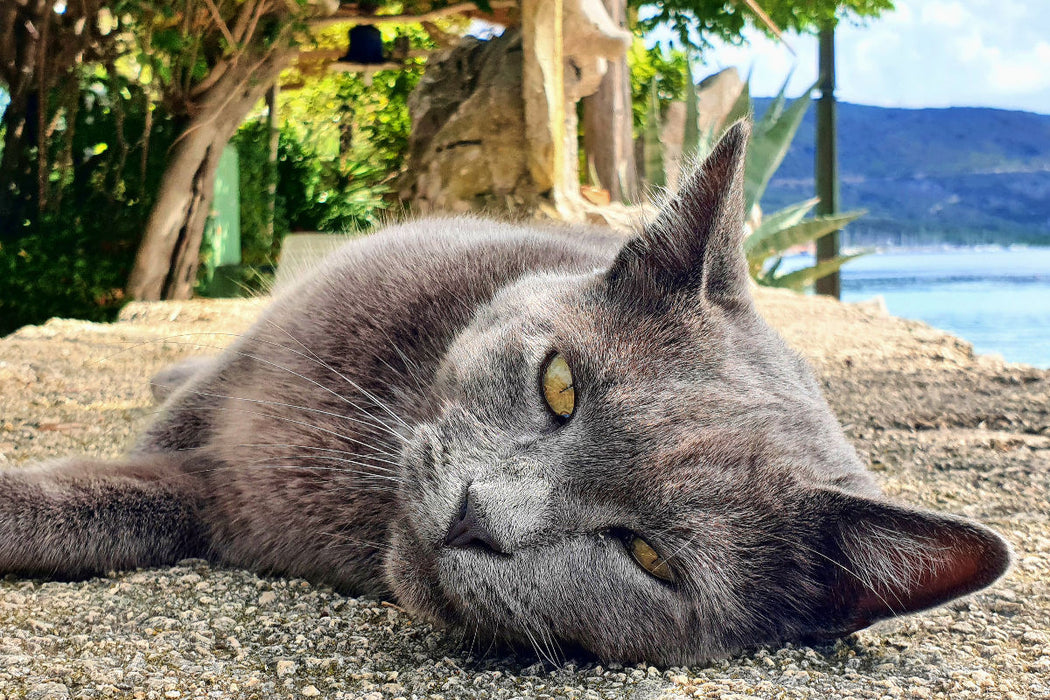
(800, 279)
(742, 107)
(778, 242)
(654, 160)
(770, 142)
(691, 137)
(776, 107)
(771, 223)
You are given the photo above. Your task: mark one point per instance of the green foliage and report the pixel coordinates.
(654, 161)
(343, 142)
(315, 193)
(666, 68)
(691, 139)
(800, 279)
(787, 229)
(73, 260)
(699, 22)
(777, 233)
(770, 140)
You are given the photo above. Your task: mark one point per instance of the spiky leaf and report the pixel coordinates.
(776, 107)
(800, 279)
(771, 223)
(770, 142)
(777, 242)
(654, 159)
(742, 107)
(691, 138)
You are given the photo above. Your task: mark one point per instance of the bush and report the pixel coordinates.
(74, 258)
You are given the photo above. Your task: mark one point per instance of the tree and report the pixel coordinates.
(698, 23)
(40, 46)
(211, 61)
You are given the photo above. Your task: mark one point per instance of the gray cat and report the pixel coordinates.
(553, 437)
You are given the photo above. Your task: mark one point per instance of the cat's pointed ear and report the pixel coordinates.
(695, 243)
(883, 559)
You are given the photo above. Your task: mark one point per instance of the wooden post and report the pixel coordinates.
(543, 89)
(274, 129)
(827, 178)
(607, 124)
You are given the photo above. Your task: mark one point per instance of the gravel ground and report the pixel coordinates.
(941, 427)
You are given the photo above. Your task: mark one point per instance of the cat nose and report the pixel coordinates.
(468, 529)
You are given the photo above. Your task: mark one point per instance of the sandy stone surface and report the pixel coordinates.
(941, 428)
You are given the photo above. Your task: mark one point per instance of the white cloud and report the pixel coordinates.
(927, 53)
(946, 14)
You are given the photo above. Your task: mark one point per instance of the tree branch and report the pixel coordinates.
(221, 24)
(457, 9)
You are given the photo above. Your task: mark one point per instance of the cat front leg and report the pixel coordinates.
(78, 517)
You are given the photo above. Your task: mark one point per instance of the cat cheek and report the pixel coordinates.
(409, 572)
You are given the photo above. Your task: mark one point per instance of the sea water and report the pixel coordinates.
(996, 298)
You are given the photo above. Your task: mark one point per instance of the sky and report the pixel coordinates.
(925, 53)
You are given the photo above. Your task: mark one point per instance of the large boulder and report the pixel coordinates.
(467, 148)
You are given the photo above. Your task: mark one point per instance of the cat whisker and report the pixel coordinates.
(312, 358)
(351, 382)
(306, 447)
(277, 444)
(532, 641)
(296, 466)
(301, 408)
(408, 366)
(354, 461)
(377, 469)
(493, 638)
(553, 647)
(297, 422)
(168, 338)
(678, 551)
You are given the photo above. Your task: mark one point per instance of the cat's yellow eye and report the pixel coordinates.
(558, 389)
(648, 559)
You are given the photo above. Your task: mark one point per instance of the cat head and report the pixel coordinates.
(631, 462)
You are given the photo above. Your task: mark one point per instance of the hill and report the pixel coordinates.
(929, 176)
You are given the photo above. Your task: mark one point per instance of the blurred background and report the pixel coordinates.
(154, 149)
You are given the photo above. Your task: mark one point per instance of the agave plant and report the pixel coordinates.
(654, 160)
(772, 236)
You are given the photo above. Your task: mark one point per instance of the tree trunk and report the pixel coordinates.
(166, 262)
(608, 124)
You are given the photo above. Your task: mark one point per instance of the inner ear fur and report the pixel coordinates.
(695, 244)
(883, 559)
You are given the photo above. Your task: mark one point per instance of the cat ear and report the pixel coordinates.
(884, 560)
(695, 243)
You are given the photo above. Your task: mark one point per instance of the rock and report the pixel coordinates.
(48, 691)
(467, 145)
(483, 129)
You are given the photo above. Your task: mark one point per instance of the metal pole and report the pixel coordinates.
(827, 176)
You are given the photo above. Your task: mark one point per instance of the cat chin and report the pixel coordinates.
(411, 573)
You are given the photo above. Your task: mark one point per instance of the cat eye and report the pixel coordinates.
(557, 385)
(648, 559)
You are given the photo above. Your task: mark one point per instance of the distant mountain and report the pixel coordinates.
(928, 176)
